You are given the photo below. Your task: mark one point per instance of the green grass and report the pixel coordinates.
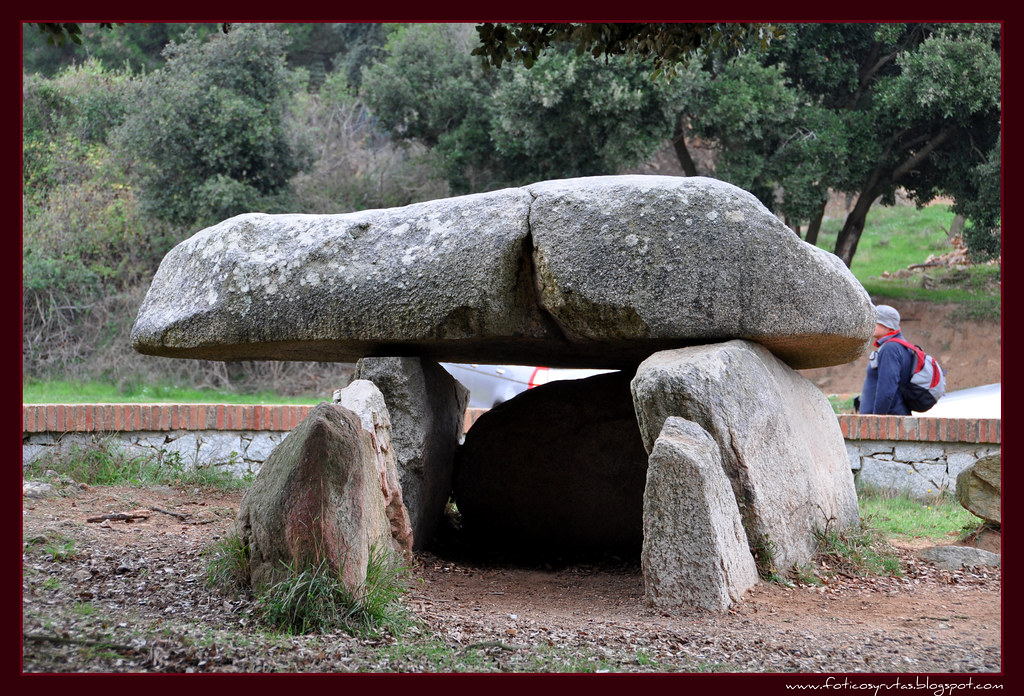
(898, 516)
(896, 237)
(885, 516)
(312, 597)
(63, 392)
(856, 552)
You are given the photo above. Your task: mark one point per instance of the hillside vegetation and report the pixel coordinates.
(120, 164)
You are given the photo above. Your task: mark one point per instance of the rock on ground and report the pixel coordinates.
(695, 551)
(779, 439)
(979, 488)
(427, 408)
(956, 557)
(317, 498)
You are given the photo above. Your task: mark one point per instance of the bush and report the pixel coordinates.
(209, 127)
(356, 167)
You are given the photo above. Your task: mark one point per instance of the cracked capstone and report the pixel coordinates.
(616, 268)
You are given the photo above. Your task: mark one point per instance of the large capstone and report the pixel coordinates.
(780, 442)
(589, 272)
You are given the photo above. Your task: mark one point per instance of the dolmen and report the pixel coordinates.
(708, 450)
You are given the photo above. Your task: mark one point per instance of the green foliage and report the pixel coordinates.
(83, 239)
(860, 108)
(854, 552)
(574, 116)
(208, 129)
(326, 48)
(135, 45)
(664, 45)
(981, 205)
(228, 565)
(427, 89)
(568, 116)
(312, 597)
(61, 549)
(101, 463)
(107, 462)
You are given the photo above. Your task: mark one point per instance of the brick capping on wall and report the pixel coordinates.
(72, 418)
(921, 429)
(67, 418)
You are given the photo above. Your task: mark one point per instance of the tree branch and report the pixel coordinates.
(922, 154)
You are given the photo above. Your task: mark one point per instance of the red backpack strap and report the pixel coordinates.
(916, 350)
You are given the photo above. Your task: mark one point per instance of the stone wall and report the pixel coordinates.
(917, 455)
(238, 438)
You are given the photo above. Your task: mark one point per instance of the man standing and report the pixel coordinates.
(889, 367)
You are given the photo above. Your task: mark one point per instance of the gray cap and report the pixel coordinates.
(887, 316)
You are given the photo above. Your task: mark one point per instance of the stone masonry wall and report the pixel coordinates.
(917, 455)
(238, 438)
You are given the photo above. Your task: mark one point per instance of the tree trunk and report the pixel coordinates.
(815, 224)
(679, 143)
(853, 227)
(957, 228)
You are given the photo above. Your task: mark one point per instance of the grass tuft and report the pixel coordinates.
(314, 598)
(227, 565)
(855, 553)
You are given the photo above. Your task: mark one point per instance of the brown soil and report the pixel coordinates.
(132, 598)
(969, 351)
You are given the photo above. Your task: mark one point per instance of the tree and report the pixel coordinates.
(920, 105)
(208, 129)
(569, 116)
(770, 138)
(860, 108)
(137, 45)
(664, 44)
(573, 116)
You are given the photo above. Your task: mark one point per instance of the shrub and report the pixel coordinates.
(210, 126)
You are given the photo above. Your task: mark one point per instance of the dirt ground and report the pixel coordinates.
(969, 351)
(130, 597)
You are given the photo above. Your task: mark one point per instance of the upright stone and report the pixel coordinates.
(363, 398)
(317, 498)
(695, 551)
(427, 407)
(779, 439)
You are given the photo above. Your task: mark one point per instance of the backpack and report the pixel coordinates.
(927, 381)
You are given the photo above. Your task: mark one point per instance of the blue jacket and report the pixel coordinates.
(889, 368)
